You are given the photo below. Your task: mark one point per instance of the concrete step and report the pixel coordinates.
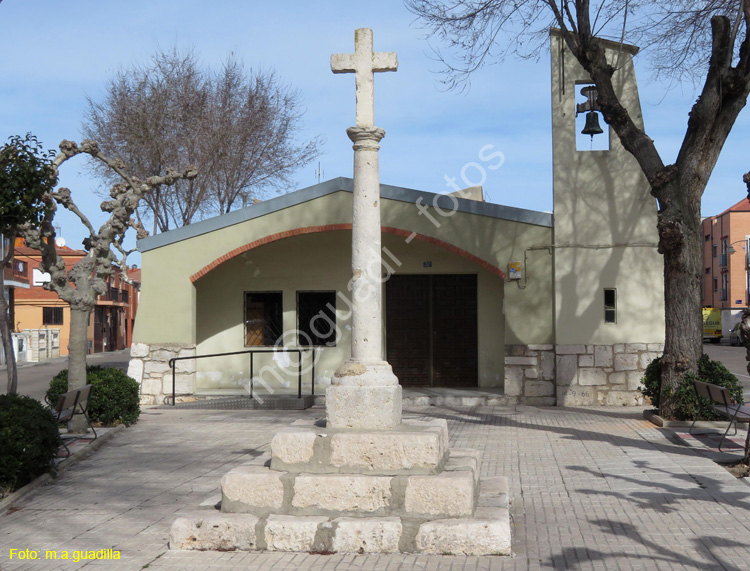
(487, 532)
(261, 491)
(411, 397)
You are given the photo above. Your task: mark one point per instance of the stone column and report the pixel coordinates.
(365, 393)
(366, 283)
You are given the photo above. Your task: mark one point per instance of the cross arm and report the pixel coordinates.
(384, 61)
(343, 63)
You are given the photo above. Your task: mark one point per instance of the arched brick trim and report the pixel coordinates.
(334, 227)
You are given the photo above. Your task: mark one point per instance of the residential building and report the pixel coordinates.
(46, 317)
(726, 279)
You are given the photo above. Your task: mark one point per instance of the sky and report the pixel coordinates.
(56, 54)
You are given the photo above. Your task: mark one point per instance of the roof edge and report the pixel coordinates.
(443, 201)
(610, 44)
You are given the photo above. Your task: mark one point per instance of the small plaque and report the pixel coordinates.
(514, 271)
(426, 264)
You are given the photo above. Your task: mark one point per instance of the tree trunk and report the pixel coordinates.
(681, 246)
(79, 319)
(10, 357)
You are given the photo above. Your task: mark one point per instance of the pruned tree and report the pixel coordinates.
(83, 283)
(706, 41)
(240, 129)
(26, 177)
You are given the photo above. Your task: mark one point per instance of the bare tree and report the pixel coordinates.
(81, 285)
(707, 39)
(240, 130)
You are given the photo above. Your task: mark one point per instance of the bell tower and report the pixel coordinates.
(608, 275)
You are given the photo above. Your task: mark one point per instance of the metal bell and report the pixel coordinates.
(592, 124)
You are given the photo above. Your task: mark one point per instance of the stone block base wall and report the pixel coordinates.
(149, 366)
(578, 375)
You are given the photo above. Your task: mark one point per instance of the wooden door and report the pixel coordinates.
(431, 330)
(454, 331)
(407, 318)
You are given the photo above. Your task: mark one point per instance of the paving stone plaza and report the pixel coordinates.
(592, 488)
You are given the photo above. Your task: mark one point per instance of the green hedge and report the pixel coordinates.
(29, 439)
(689, 405)
(114, 395)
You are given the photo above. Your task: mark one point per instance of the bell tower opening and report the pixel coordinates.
(592, 132)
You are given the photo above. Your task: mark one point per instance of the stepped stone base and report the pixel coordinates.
(487, 532)
(260, 490)
(331, 489)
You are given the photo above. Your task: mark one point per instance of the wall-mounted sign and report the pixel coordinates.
(426, 264)
(514, 271)
(39, 278)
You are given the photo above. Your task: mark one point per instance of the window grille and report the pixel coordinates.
(52, 315)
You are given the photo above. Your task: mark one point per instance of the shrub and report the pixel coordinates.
(29, 439)
(689, 406)
(114, 395)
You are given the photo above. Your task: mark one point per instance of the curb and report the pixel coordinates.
(14, 498)
(653, 417)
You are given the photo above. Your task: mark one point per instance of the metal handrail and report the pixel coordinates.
(251, 352)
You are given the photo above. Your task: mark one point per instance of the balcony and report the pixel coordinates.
(723, 260)
(723, 294)
(17, 272)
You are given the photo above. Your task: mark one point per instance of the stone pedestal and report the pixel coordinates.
(364, 396)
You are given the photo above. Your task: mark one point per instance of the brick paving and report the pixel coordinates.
(592, 488)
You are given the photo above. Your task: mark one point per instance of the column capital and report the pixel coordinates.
(365, 138)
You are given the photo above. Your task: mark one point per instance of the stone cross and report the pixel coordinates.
(364, 392)
(363, 63)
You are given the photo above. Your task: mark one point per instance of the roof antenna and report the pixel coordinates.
(319, 174)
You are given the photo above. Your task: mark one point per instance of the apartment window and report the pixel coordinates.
(21, 269)
(263, 318)
(52, 315)
(316, 318)
(715, 250)
(708, 237)
(610, 305)
(708, 271)
(716, 284)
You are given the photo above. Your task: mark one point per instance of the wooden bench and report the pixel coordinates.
(70, 404)
(722, 403)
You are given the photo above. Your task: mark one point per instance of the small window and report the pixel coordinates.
(610, 305)
(715, 251)
(716, 284)
(708, 237)
(263, 318)
(316, 315)
(708, 271)
(20, 269)
(52, 315)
